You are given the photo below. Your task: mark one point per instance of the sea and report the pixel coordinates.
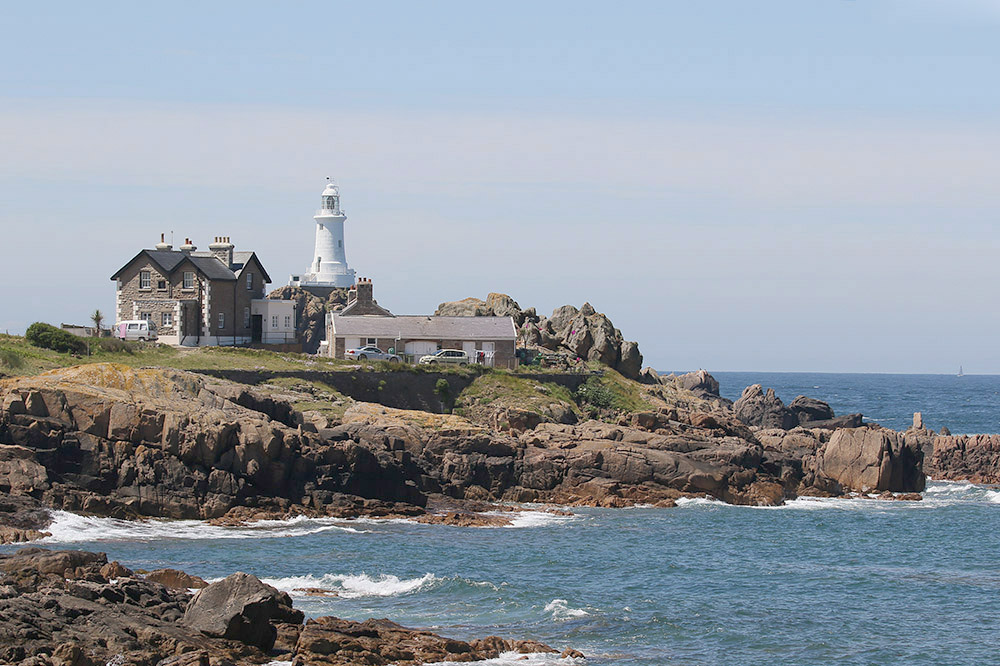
(817, 581)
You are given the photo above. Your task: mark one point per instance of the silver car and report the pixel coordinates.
(370, 353)
(456, 356)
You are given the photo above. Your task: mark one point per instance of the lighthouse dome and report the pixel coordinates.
(331, 190)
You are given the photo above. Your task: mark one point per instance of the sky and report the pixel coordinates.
(759, 185)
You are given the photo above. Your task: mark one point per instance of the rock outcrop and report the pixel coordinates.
(121, 442)
(764, 409)
(311, 312)
(581, 333)
(974, 458)
(872, 459)
(74, 608)
(330, 641)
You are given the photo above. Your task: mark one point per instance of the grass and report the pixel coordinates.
(18, 357)
(310, 396)
(504, 389)
(611, 391)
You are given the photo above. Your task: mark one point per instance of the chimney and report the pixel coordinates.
(223, 250)
(188, 246)
(364, 291)
(163, 244)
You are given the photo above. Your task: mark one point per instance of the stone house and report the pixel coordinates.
(487, 340)
(202, 298)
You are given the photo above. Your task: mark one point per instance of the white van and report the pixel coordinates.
(137, 329)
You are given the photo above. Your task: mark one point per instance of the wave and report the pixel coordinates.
(352, 586)
(560, 610)
(516, 659)
(537, 519)
(699, 501)
(69, 527)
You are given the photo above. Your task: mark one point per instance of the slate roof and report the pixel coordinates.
(421, 327)
(206, 262)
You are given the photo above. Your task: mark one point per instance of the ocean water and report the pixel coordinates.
(818, 581)
(815, 582)
(966, 405)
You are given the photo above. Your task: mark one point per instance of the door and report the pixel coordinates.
(256, 327)
(417, 348)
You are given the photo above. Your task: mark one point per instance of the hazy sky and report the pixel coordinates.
(739, 185)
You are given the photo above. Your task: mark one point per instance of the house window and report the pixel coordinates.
(274, 321)
(288, 321)
(189, 279)
(249, 281)
(161, 284)
(246, 317)
(167, 319)
(144, 280)
(222, 320)
(371, 341)
(147, 316)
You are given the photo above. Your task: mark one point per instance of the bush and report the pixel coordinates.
(48, 336)
(596, 394)
(114, 345)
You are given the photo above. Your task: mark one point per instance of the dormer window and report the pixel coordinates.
(249, 281)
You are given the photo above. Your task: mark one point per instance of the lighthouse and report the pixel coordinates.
(328, 268)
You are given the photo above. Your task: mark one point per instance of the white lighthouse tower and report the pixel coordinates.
(329, 264)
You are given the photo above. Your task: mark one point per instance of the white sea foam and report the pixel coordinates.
(516, 659)
(69, 527)
(699, 501)
(537, 519)
(353, 586)
(560, 610)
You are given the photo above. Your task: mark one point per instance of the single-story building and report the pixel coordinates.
(487, 340)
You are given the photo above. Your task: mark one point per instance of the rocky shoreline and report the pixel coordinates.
(74, 608)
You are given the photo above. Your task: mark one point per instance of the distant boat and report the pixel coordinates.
(960, 373)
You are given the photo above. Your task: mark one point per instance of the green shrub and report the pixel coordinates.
(596, 394)
(113, 345)
(48, 336)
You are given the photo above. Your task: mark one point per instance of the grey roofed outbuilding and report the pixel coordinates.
(422, 327)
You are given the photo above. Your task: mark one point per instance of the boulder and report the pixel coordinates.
(871, 459)
(700, 383)
(763, 409)
(176, 580)
(241, 608)
(810, 409)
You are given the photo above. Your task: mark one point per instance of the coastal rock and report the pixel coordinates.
(809, 409)
(973, 458)
(241, 608)
(330, 641)
(176, 580)
(763, 409)
(870, 459)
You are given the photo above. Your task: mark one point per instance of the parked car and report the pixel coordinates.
(456, 356)
(370, 353)
(137, 329)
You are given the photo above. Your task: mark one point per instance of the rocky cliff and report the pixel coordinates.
(111, 440)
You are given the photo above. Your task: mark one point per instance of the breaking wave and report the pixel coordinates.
(516, 659)
(69, 527)
(560, 610)
(352, 586)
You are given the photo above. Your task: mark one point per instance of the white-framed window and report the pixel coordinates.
(145, 280)
(246, 317)
(222, 320)
(288, 321)
(371, 341)
(249, 281)
(148, 316)
(274, 321)
(189, 279)
(167, 319)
